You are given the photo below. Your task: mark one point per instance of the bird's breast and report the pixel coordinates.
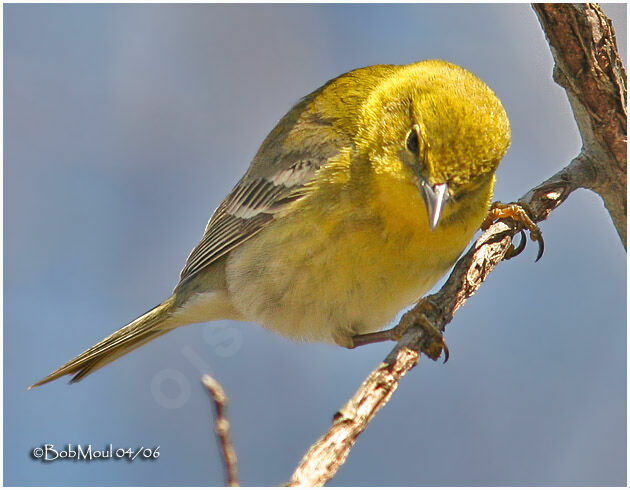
(318, 273)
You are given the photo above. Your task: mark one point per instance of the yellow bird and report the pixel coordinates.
(358, 201)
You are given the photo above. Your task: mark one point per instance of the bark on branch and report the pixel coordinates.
(588, 66)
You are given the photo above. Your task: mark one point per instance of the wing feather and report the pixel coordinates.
(245, 211)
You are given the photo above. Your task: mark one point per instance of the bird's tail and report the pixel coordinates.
(149, 326)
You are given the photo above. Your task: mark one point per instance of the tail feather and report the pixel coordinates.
(147, 327)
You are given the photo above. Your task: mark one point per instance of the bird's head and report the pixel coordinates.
(437, 127)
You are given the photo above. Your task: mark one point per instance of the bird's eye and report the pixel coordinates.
(413, 144)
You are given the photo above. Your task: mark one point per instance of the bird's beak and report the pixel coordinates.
(435, 196)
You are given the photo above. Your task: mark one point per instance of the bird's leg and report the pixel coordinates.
(435, 342)
(522, 214)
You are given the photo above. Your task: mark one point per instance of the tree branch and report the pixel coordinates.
(588, 66)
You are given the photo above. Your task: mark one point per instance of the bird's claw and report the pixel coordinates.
(434, 344)
(521, 214)
(514, 251)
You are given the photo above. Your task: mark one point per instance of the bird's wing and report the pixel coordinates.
(247, 209)
(302, 142)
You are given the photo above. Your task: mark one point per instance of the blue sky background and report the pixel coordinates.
(126, 125)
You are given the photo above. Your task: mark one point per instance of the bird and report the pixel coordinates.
(357, 202)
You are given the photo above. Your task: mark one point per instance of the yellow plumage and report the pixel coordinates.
(357, 202)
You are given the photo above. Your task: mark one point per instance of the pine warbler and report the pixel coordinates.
(363, 195)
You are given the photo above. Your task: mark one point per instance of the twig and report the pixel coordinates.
(601, 166)
(222, 429)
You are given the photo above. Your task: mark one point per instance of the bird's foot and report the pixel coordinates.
(432, 347)
(521, 214)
